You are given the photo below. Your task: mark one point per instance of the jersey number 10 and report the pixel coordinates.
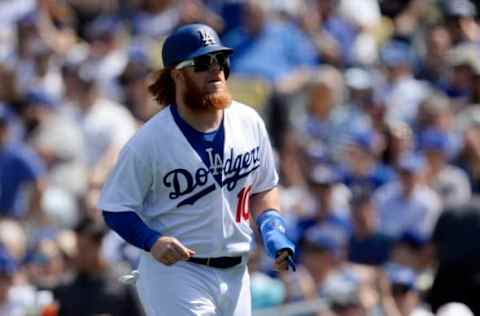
(243, 204)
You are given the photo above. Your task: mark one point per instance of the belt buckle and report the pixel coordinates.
(208, 261)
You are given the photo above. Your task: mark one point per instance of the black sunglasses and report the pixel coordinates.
(204, 62)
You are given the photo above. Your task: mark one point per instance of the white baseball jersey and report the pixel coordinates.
(204, 204)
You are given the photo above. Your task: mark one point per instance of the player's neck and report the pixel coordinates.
(202, 121)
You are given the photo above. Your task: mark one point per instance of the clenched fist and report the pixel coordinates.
(168, 250)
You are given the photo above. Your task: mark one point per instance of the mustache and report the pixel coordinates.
(197, 100)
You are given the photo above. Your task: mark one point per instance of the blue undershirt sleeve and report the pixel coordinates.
(131, 228)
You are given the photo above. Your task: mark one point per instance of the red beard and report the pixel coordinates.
(197, 100)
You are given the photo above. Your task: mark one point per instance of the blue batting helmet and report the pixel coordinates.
(190, 41)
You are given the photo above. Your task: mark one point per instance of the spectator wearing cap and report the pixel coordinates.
(431, 67)
(320, 120)
(155, 19)
(324, 213)
(133, 81)
(95, 288)
(402, 287)
(363, 170)
(469, 158)
(414, 250)
(21, 169)
(59, 140)
(341, 284)
(360, 89)
(106, 54)
(460, 21)
(106, 124)
(323, 255)
(402, 92)
(42, 72)
(367, 245)
(450, 182)
(407, 204)
(435, 112)
(463, 62)
(333, 34)
(268, 49)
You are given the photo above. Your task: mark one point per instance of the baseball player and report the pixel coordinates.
(186, 185)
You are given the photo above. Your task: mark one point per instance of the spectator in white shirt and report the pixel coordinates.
(407, 204)
(107, 125)
(450, 182)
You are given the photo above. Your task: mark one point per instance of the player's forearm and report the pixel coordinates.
(131, 228)
(271, 224)
(262, 201)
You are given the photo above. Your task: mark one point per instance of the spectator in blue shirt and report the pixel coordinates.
(367, 245)
(268, 49)
(407, 204)
(363, 170)
(338, 28)
(326, 215)
(20, 169)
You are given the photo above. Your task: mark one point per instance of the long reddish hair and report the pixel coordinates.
(162, 87)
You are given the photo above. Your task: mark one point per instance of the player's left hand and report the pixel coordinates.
(283, 261)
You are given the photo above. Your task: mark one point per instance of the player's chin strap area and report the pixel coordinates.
(273, 232)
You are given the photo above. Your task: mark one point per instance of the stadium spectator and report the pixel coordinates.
(366, 244)
(106, 124)
(363, 169)
(407, 204)
(325, 214)
(261, 39)
(405, 293)
(95, 289)
(21, 170)
(8, 271)
(402, 92)
(450, 182)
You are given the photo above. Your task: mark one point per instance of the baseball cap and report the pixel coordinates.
(343, 292)
(367, 140)
(358, 79)
(325, 237)
(465, 55)
(411, 162)
(396, 53)
(40, 98)
(324, 174)
(190, 41)
(434, 140)
(401, 275)
(8, 266)
(459, 8)
(102, 26)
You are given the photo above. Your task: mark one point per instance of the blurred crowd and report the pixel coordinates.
(373, 107)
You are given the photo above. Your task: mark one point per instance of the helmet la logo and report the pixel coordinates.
(206, 37)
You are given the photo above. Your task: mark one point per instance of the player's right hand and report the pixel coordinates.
(168, 250)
